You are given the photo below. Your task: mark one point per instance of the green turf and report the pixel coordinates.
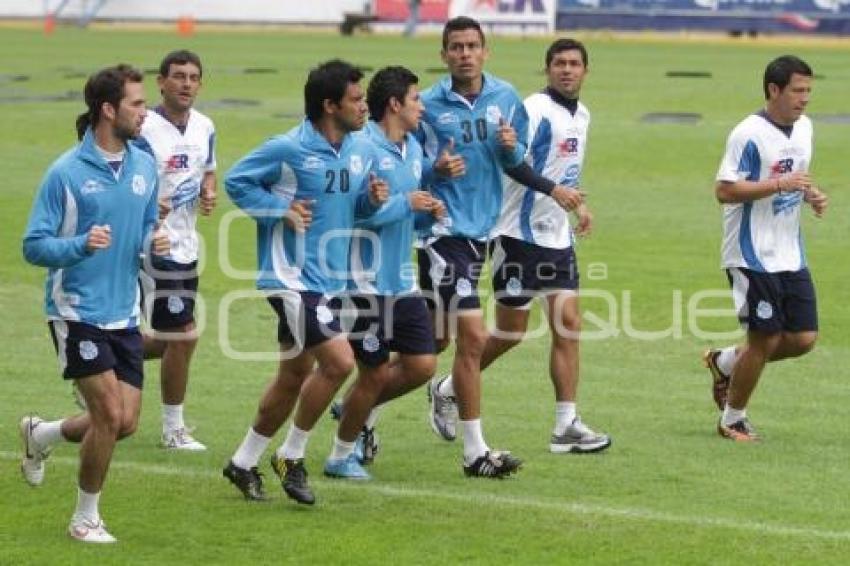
(668, 491)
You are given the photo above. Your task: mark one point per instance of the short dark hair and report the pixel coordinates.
(180, 57)
(328, 81)
(461, 23)
(388, 83)
(565, 44)
(106, 85)
(779, 72)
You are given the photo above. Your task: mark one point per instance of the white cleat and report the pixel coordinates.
(84, 529)
(34, 453)
(180, 439)
(578, 438)
(442, 413)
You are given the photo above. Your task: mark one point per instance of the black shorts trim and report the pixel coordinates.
(449, 271)
(172, 287)
(522, 271)
(387, 324)
(774, 302)
(84, 350)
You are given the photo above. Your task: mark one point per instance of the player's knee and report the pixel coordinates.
(421, 369)
(805, 342)
(129, 424)
(107, 417)
(472, 342)
(339, 367)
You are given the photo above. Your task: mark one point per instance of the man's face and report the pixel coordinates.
(351, 112)
(130, 113)
(790, 102)
(411, 109)
(180, 87)
(566, 72)
(465, 54)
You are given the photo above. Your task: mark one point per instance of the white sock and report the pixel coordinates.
(446, 387)
(565, 414)
(726, 359)
(48, 433)
(473, 441)
(249, 452)
(172, 417)
(87, 505)
(295, 445)
(342, 449)
(731, 416)
(373, 417)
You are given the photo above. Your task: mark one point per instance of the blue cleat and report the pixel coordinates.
(346, 468)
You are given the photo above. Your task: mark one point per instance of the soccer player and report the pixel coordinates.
(95, 213)
(762, 183)
(392, 314)
(182, 140)
(477, 116)
(304, 189)
(533, 253)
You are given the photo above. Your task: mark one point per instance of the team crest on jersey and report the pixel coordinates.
(356, 164)
(386, 164)
(139, 185)
(568, 147)
(175, 305)
(571, 175)
(493, 114)
(324, 314)
(371, 343)
(448, 118)
(88, 350)
(416, 167)
(91, 186)
(764, 310)
(312, 162)
(513, 287)
(463, 287)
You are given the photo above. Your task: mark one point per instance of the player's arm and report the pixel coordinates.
(43, 244)
(209, 192)
(250, 180)
(732, 192)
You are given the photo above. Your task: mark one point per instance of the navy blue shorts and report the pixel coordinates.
(390, 324)
(305, 318)
(449, 270)
(173, 287)
(522, 271)
(774, 302)
(85, 350)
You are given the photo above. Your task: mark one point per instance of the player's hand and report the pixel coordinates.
(566, 197)
(379, 191)
(585, 221)
(299, 216)
(208, 196)
(99, 238)
(160, 245)
(796, 181)
(817, 199)
(164, 207)
(438, 208)
(506, 135)
(420, 201)
(450, 164)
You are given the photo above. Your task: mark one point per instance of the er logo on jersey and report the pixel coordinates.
(177, 162)
(782, 166)
(568, 147)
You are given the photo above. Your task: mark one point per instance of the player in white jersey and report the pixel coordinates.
(762, 182)
(532, 247)
(182, 140)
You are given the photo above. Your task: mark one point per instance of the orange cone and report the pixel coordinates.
(49, 24)
(185, 25)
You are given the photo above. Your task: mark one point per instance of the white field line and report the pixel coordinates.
(470, 497)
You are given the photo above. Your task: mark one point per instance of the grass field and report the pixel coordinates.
(668, 491)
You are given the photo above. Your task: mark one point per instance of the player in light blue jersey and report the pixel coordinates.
(762, 183)
(304, 189)
(392, 315)
(482, 119)
(94, 214)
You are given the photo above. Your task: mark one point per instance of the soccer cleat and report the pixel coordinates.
(578, 439)
(346, 468)
(180, 439)
(719, 380)
(249, 482)
(497, 465)
(336, 410)
(34, 453)
(443, 411)
(293, 479)
(367, 446)
(85, 529)
(739, 431)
